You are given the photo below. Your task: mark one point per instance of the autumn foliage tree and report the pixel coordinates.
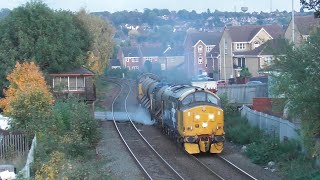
(101, 47)
(28, 98)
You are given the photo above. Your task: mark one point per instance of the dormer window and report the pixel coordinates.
(200, 49)
(256, 44)
(240, 46)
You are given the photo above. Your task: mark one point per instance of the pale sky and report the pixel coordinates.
(198, 5)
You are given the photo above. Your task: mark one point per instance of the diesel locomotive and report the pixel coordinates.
(191, 115)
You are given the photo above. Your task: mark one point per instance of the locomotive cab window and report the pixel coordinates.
(212, 99)
(200, 96)
(188, 99)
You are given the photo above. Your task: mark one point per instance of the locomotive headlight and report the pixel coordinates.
(197, 117)
(204, 124)
(211, 116)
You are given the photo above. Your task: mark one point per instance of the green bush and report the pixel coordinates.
(228, 108)
(239, 131)
(263, 148)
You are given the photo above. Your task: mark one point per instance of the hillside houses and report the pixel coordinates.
(222, 55)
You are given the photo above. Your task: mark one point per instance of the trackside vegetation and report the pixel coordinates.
(37, 40)
(290, 160)
(66, 131)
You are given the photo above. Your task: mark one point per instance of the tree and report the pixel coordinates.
(101, 48)
(311, 5)
(297, 78)
(28, 98)
(53, 39)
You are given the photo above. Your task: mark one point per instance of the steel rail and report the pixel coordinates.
(144, 139)
(236, 167)
(195, 158)
(115, 124)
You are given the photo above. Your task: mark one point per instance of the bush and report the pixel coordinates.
(228, 108)
(239, 131)
(263, 148)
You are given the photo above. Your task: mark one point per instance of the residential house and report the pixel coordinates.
(196, 47)
(77, 82)
(303, 26)
(236, 45)
(134, 58)
(171, 58)
(130, 57)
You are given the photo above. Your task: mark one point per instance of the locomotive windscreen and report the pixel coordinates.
(200, 97)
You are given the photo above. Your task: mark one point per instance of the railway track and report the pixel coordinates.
(150, 161)
(153, 164)
(222, 167)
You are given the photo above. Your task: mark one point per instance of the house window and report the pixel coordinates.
(256, 44)
(200, 49)
(73, 83)
(135, 59)
(240, 46)
(209, 48)
(200, 60)
(241, 62)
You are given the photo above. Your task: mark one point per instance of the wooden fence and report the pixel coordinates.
(13, 144)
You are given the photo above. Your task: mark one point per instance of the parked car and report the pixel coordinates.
(254, 82)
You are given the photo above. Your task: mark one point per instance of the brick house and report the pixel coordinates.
(303, 26)
(130, 57)
(196, 47)
(171, 58)
(134, 58)
(236, 47)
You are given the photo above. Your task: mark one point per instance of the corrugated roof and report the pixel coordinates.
(246, 33)
(306, 24)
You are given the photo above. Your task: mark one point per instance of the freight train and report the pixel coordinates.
(191, 115)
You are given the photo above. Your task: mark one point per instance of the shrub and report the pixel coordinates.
(226, 106)
(239, 131)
